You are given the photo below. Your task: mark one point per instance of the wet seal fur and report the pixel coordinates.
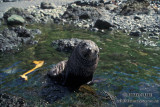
(79, 68)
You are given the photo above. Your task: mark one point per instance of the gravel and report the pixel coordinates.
(4, 6)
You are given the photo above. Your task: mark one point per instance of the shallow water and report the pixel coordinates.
(124, 68)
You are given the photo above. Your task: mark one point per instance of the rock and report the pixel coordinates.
(15, 20)
(103, 1)
(10, 0)
(94, 29)
(158, 10)
(12, 38)
(81, 3)
(17, 11)
(78, 12)
(147, 42)
(7, 100)
(102, 24)
(158, 43)
(66, 45)
(135, 7)
(87, 3)
(46, 15)
(45, 5)
(110, 7)
(35, 31)
(137, 18)
(135, 33)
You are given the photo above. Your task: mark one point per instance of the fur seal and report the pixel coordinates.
(80, 66)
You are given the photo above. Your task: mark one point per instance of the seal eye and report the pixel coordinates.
(95, 52)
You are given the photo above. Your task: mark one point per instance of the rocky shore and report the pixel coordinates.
(135, 18)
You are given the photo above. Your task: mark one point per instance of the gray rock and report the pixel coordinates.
(135, 33)
(12, 38)
(135, 7)
(95, 29)
(110, 7)
(78, 12)
(35, 31)
(10, 0)
(158, 10)
(137, 18)
(92, 3)
(15, 20)
(66, 45)
(45, 5)
(102, 24)
(16, 11)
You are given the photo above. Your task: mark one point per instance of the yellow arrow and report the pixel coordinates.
(38, 64)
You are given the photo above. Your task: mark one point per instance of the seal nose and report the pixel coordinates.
(89, 50)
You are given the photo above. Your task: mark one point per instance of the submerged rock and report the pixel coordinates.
(12, 38)
(66, 45)
(7, 100)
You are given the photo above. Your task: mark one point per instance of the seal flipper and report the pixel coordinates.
(57, 71)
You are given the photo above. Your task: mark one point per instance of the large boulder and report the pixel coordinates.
(135, 7)
(12, 38)
(18, 11)
(77, 12)
(15, 20)
(66, 45)
(45, 5)
(103, 24)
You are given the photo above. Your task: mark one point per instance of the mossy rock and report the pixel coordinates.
(17, 11)
(15, 20)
